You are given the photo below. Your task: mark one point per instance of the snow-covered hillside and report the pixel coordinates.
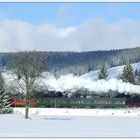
(113, 72)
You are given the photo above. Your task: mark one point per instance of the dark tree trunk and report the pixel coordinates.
(26, 112)
(27, 105)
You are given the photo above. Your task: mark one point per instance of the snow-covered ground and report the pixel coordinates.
(122, 112)
(64, 126)
(72, 123)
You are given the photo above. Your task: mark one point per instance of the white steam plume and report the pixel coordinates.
(70, 82)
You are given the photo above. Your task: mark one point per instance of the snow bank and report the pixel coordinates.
(80, 112)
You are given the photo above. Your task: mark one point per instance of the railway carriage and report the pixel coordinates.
(79, 102)
(83, 102)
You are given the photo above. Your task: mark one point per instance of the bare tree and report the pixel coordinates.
(28, 66)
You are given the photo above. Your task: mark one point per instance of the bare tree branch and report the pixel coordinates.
(28, 66)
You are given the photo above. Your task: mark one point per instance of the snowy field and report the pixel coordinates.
(133, 112)
(72, 123)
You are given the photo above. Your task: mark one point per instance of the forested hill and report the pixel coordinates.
(82, 62)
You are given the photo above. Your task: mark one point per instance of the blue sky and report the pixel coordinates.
(69, 26)
(69, 14)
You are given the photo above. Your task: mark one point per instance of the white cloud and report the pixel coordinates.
(55, 31)
(99, 34)
(91, 35)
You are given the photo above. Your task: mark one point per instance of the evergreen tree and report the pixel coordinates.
(103, 72)
(136, 72)
(128, 74)
(4, 100)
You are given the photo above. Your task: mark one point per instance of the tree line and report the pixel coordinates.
(80, 63)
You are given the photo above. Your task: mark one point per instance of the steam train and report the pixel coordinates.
(79, 102)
